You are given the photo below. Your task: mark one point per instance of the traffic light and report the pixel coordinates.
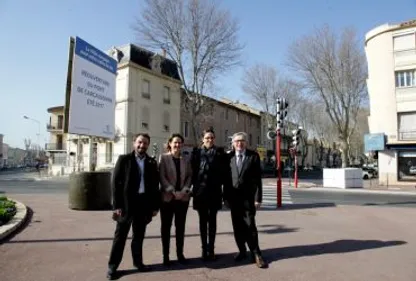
(295, 138)
(278, 115)
(281, 111)
(271, 135)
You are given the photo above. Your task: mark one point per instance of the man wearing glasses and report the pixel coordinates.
(243, 195)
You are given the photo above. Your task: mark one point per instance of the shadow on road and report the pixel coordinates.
(390, 203)
(276, 254)
(265, 229)
(297, 206)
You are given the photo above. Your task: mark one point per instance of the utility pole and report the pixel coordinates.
(38, 134)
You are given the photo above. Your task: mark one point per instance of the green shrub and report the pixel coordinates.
(7, 209)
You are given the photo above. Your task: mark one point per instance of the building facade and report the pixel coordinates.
(56, 147)
(224, 117)
(391, 57)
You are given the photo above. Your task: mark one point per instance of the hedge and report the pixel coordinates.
(7, 209)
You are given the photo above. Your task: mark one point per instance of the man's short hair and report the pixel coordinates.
(240, 134)
(145, 135)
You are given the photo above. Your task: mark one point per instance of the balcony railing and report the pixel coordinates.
(407, 135)
(54, 127)
(55, 146)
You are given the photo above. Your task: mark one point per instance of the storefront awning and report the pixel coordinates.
(401, 146)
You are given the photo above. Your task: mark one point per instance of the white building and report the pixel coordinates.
(147, 101)
(391, 56)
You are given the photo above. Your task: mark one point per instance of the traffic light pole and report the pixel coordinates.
(279, 169)
(296, 168)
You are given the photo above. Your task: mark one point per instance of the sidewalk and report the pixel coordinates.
(304, 243)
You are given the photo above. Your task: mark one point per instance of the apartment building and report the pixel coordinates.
(391, 57)
(225, 117)
(57, 144)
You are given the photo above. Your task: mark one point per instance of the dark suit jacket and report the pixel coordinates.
(246, 186)
(209, 196)
(125, 184)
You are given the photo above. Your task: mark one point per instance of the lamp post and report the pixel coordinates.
(37, 135)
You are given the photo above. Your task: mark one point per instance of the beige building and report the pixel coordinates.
(57, 144)
(225, 117)
(147, 100)
(391, 56)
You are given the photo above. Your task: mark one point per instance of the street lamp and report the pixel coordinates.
(38, 134)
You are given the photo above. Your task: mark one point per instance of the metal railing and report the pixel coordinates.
(407, 135)
(55, 146)
(54, 126)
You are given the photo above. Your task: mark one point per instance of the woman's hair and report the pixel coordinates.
(171, 139)
(206, 131)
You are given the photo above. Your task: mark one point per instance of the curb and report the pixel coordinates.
(18, 219)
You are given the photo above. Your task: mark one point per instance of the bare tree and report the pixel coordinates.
(333, 69)
(357, 138)
(262, 84)
(199, 36)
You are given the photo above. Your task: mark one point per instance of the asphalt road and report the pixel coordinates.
(57, 186)
(298, 197)
(347, 197)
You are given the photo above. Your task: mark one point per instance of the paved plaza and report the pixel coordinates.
(301, 244)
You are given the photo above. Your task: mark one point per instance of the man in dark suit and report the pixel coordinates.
(136, 199)
(243, 195)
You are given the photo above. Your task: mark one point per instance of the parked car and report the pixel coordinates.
(367, 174)
(412, 170)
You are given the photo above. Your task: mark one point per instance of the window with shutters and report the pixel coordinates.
(145, 117)
(404, 42)
(185, 129)
(146, 89)
(166, 95)
(407, 126)
(109, 152)
(166, 121)
(405, 78)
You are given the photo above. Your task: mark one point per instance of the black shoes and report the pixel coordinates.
(142, 268)
(182, 259)
(211, 255)
(240, 256)
(111, 274)
(259, 261)
(166, 261)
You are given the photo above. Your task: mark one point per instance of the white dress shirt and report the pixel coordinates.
(140, 163)
(237, 153)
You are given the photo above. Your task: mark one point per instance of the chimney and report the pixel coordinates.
(164, 53)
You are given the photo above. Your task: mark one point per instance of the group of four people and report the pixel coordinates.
(141, 187)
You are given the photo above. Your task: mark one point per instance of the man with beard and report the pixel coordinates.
(136, 199)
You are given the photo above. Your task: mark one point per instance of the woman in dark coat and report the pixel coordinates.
(209, 165)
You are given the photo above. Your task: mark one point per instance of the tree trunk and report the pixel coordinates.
(195, 132)
(345, 154)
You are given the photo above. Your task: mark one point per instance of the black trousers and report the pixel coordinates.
(207, 227)
(244, 225)
(168, 210)
(139, 220)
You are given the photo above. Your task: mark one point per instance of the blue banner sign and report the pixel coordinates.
(374, 142)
